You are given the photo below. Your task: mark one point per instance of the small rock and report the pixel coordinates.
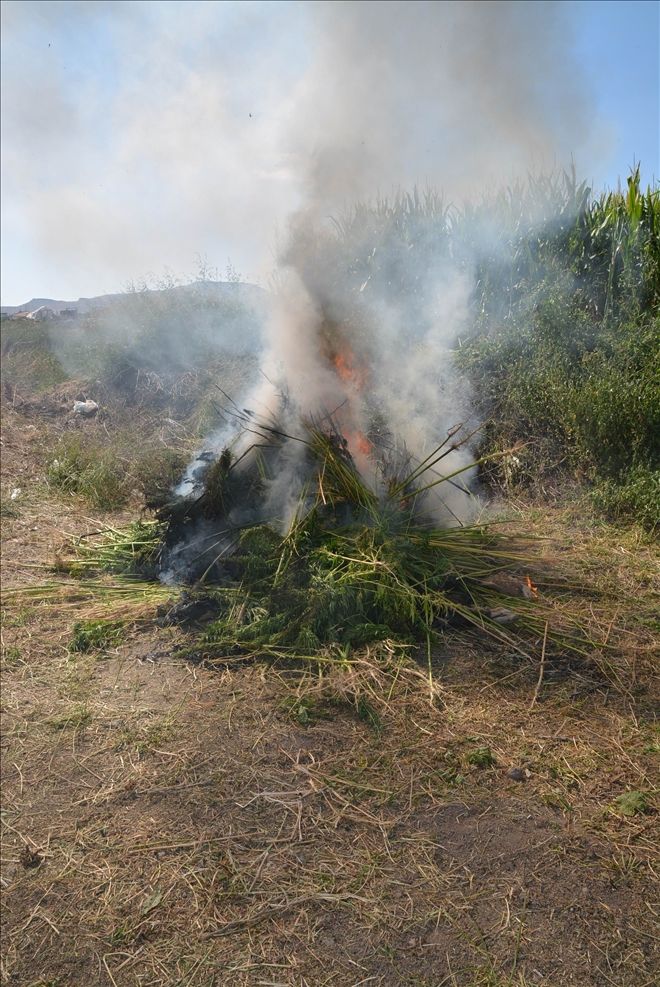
(87, 408)
(518, 774)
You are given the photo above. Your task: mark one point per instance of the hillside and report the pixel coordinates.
(207, 290)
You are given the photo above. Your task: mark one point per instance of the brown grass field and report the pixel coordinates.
(167, 823)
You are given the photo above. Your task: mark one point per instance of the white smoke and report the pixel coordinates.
(455, 94)
(137, 135)
(232, 137)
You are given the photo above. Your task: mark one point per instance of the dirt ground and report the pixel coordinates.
(166, 823)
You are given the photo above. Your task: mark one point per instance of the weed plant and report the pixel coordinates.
(95, 635)
(94, 472)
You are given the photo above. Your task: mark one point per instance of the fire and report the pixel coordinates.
(530, 590)
(345, 365)
(349, 372)
(358, 442)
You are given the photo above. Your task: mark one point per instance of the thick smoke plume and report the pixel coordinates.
(285, 116)
(459, 95)
(449, 94)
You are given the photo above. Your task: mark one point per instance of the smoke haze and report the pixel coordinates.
(136, 135)
(458, 95)
(398, 92)
(220, 131)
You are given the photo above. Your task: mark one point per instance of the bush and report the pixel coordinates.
(582, 396)
(635, 499)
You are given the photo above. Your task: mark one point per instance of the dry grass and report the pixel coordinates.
(188, 826)
(169, 824)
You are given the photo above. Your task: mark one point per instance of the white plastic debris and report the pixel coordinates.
(86, 408)
(15, 494)
(502, 615)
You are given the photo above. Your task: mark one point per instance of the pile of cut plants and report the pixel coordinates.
(358, 564)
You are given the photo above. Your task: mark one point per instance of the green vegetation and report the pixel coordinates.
(358, 567)
(562, 340)
(86, 468)
(637, 496)
(131, 550)
(632, 804)
(482, 757)
(95, 635)
(122, 599)
(106, 471)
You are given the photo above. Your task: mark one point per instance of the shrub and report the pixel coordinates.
(637, 498)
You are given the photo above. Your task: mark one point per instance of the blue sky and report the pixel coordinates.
(138, 135)
(618, 45)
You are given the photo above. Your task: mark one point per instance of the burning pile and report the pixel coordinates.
(301, 536)
(358, 562)
(333, 508)
(314, 531)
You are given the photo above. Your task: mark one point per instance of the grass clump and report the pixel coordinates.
(636, 498)
(482, 757)
(95, 473)
(95, 635)
(632, 804)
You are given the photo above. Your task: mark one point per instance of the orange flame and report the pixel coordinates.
(358, 442)
(530, 589)
(344, 363)
(346, 368)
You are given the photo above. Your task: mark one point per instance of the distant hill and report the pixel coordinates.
(206, 291)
